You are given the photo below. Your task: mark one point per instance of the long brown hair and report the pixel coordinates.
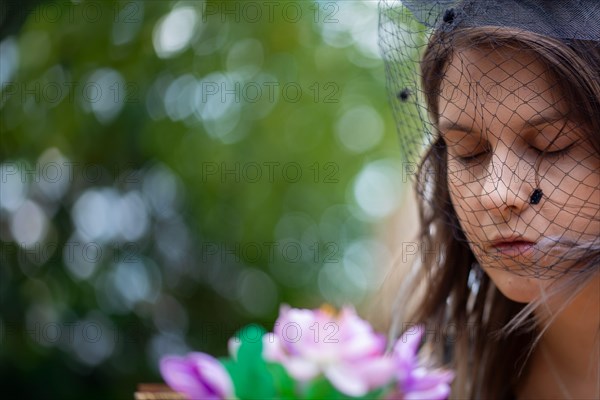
(484, 336)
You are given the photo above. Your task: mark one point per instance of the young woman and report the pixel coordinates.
(508, 190)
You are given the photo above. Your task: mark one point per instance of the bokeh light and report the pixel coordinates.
(171, 171)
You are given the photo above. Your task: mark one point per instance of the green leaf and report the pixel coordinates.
(284, 384)
(375, 394)
(251, 377)
(321, 389)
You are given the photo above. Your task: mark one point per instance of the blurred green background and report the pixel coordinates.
(173, 170)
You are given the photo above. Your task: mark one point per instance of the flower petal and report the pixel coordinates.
(301, 369)
(344, 379)
(407, 345)
(439, 392)
(272, 349)
(233, 346)
(213, 374)
(405, 352)
(423, 379)
(376, 372)
(182, 377)
(198, 376)
(428, 384)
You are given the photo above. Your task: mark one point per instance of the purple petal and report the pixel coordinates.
(213, 374)
(182, 377)
(423, 379)
(377, 371)
(301, 369)
(272, 349)
(343, 379)
(405, 352)
(198, 376)
(407, 345)
(427, 384)
(439, 392)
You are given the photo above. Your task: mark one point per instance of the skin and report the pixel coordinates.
(501, 109)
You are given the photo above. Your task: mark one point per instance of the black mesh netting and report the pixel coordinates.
(498, 102)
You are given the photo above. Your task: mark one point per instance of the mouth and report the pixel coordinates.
(514, 247)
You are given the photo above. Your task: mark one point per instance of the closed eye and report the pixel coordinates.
(475, 157)
(556, 153)
(478, 148)
(472, 158)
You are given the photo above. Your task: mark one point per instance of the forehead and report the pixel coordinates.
(497, 86)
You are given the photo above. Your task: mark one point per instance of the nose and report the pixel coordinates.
(508, 184)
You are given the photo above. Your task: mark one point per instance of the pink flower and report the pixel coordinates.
(414, 381)
(197, 375)
(343, 347)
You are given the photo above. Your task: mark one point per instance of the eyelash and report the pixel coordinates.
(552, 154)
(558, 153)
(469, 159)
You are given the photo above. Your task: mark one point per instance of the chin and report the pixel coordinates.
(517, 288)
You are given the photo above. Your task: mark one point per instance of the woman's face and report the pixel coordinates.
(499, 110)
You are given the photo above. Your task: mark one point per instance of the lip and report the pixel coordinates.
(513, 246)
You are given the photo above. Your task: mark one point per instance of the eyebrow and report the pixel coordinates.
(537, 120)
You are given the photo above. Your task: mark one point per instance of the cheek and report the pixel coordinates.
(465, 203)
(575, 197)
(576, 179)
(471, 216)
